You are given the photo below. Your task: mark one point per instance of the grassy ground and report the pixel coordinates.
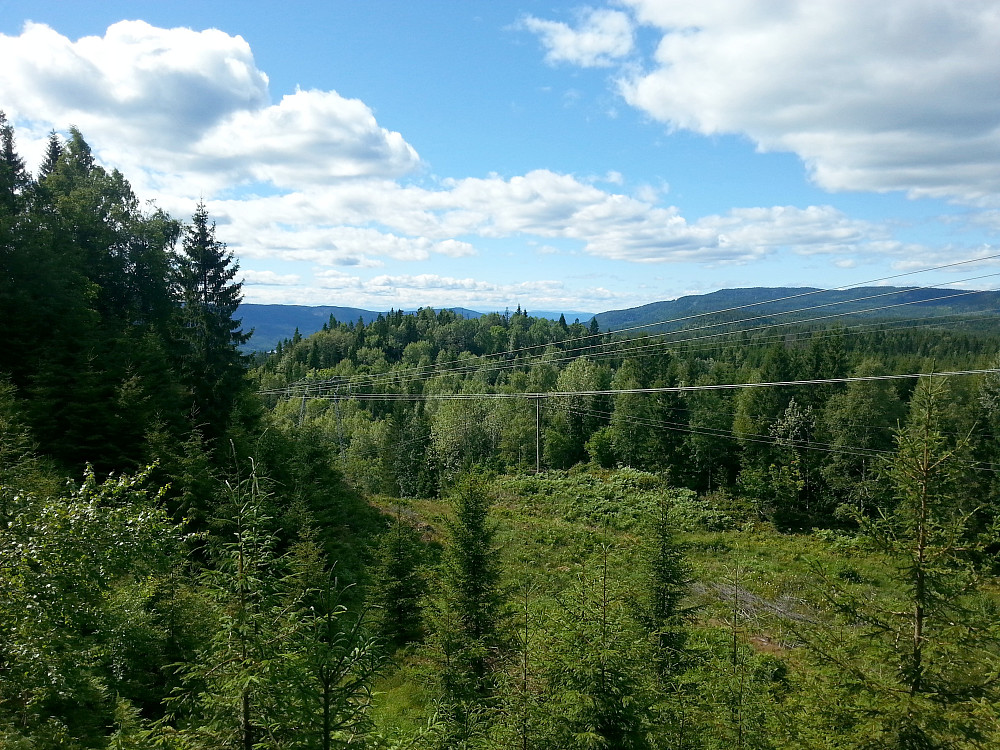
(764, 649)
(745, 576)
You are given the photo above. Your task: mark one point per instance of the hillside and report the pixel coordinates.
(801, 304)
(274, 323)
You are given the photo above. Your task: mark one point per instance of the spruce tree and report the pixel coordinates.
(599, 691)
(210, 361)
(398, 586)
(666, 580)
(14, 178)
(53, 150)
(469, 613)
(226, 694)
(926, 656)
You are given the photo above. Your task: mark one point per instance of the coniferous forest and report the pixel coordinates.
(429, 531)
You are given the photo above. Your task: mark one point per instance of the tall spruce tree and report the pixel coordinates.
(469, 613)
(925, 657)
(53, 150)
(14, 179)
(210, 361)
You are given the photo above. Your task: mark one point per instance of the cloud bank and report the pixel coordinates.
(312, 184)
(894, 95)
(175, 105)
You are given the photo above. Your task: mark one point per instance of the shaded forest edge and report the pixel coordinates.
(390, 534)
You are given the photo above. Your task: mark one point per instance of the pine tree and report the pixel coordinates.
(14, 178)
(925, 657)
(53, 150)
(469, 613)
(210, 361)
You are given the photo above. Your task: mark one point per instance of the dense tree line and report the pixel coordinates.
(165, 556)
(798, 455)
(111, 332)
(904, 466)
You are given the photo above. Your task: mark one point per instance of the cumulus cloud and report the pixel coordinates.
(418, 223)
(600, 38)
(145, 77)
(309, 137)
(175, 107)
(187, 113)
(894, 95)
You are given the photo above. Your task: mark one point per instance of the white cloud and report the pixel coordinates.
(310, 137)
(601, 37)
(173, 83)
(416, 290)
(188, 112)
(894, 95)
(269, 278)
(417, 223)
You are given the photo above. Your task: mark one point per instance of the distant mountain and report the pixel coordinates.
(801, 304)
(583, 317)
(765, 305)
(274, 323)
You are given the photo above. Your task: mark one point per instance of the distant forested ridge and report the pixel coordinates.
(802, 304)
(766, 305)
(430, 530)
(274, 323)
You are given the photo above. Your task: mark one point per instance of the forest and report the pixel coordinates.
(428, 531)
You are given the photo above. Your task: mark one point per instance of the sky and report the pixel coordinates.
(553, 155)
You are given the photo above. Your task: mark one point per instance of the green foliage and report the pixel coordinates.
(77, 617)
(598, 692)
(283, 664)
(327, 674)
(923, 655)
(665, 581)
(398, 586)
(687, 632)
(468, 611)
(208, 336)
(601, 448)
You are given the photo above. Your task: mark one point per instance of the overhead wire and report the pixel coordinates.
(315, 389)
(477, 366)
(419, 374)
(820, 291)
(759, 303)
(399, 379)
(662, 389)
(813, 445)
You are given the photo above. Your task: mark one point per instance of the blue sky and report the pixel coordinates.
(555, 155)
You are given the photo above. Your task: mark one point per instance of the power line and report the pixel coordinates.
(819, 291)
(812, 445)
(436, 369)
(400, 378)
(422, 374)
(664, 389)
